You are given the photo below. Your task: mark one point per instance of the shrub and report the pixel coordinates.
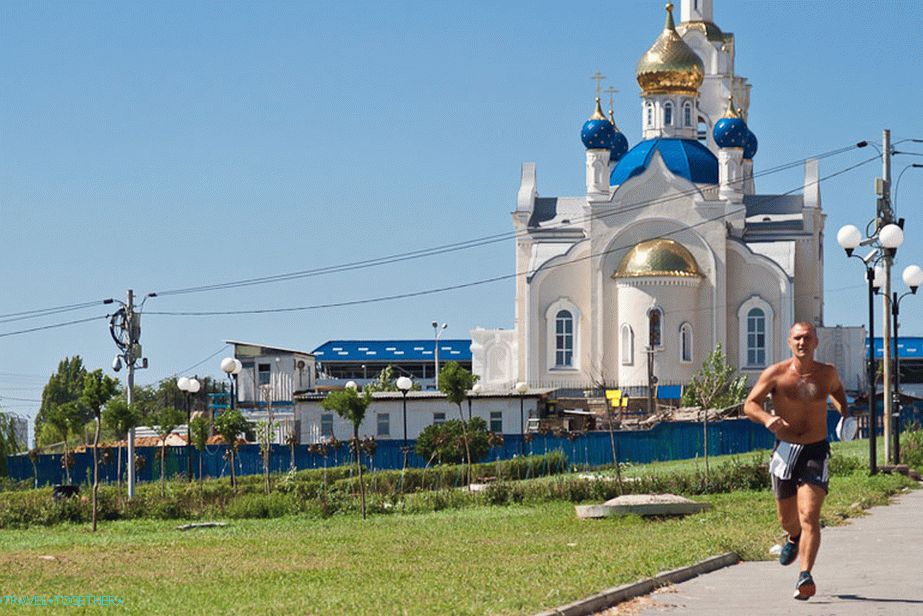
(445, 442)
(912, 448)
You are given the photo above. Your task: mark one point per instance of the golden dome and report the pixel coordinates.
(658, 257)
(670, 65)
(712, 32)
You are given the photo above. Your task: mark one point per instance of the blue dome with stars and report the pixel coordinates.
(619, 146)
(750, 145)
(730, 133)
(597, 132)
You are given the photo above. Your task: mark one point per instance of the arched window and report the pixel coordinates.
(755, 318)
(654, 326)
(649, 115)
(701, 132)
(562, 335)
(685, 343)
(667, 113)
(564, 339)
(756, 337)
(687, 114)
(627, 344)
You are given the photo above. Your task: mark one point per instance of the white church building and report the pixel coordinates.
(671, 251)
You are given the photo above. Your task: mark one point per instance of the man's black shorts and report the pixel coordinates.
(810, 467)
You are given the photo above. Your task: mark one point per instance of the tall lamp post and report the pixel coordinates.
(521, 388)
(884, 243)
(189, 387)
(231, 366)
(437, 331)
(404, 384)
(913, 278)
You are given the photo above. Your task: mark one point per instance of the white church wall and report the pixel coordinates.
(494, 357)
(844, 347)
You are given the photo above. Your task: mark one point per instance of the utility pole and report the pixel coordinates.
(651, 379)
(125, 329)
(886, 216)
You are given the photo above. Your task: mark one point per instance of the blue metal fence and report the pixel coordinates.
(665, 441)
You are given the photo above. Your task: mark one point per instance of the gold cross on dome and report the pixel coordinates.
(598, 78)
(611, 92)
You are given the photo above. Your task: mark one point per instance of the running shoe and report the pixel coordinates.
(805, 588)
(789, 552)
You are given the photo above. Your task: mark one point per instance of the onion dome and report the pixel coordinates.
(730, 131)
(670, 65)
(750, 145)
(658, 257)
(597, 132)
(686, 158)
(619, 141)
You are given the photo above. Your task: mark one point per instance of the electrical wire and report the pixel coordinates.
(52, 326)
(196, 365)
(482, 281)
(474, 242)
(40, 312)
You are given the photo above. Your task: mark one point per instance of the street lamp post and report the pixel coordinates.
(913, 278)
(437, 331)
(231, 366)
(188, 386)
(521, 389)
(884, 244)
(404, 384)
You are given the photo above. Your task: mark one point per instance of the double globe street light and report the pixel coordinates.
(884, 244)
(231, 366)
(188, 386)
(405, 384)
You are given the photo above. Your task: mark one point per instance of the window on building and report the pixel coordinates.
(496, 422)
(438, 418)
(756, 337)
(564, 339)
(649, 115)
(627, 341)
(685, 343)
(687, 114)
(326, 424)
(654, 325)
(384, 424)
(263, 374)
(701, 132)
(668, 114)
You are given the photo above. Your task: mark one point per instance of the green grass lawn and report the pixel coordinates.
(498, 560)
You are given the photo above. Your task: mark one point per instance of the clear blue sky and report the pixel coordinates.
(159, 145)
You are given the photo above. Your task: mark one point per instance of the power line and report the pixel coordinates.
(28, 314)
(478, 282)
(471, 243)
(52, 326)
(197, 364)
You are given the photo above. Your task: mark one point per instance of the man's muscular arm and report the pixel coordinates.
(838, 394)
(753, 407)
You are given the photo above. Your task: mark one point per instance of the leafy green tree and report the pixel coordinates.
(445, 442)
(98, 389)
(352, 407)
(167, 420)
(66, 419)
(8, 443)
(119, 417)
(229, 425)
(455, 382)
(63, 387)
(716, 385)
(199, 429)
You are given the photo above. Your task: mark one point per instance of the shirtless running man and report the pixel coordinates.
(800, 387)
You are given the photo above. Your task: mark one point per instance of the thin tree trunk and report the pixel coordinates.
(163, 452)
(200, 467)
(359, 469)
(95, 470)
(615, 451)
(467, 446)
(705, 429)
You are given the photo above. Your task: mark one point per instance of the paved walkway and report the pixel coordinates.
(873, 565)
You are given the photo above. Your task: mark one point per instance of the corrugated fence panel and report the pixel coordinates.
(665, 441)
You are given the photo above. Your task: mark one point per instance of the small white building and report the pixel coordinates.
(385, 417)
